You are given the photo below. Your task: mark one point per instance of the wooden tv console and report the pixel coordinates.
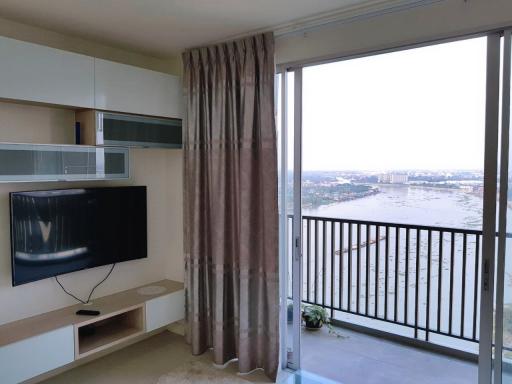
(34, 346)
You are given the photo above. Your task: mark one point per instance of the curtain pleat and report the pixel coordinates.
(230, 195)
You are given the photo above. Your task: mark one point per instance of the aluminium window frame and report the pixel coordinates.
(493, 35)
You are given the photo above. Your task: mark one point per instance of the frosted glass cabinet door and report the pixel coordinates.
(136, 131)
(84, 163)
(37, 162)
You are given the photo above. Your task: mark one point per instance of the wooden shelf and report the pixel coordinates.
(107, 305)
(61, 339)
(103, 332)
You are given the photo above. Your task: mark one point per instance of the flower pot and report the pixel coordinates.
(312, 326)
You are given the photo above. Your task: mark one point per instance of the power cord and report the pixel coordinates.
(92, 291)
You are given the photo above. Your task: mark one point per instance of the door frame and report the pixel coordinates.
(489, 209)
(292, 360)
(295, 361)
(487, 274)
(503, 216)
(280, 90)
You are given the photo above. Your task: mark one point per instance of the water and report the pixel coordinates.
(411, 205)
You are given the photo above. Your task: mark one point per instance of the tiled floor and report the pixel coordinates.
(363, 359)
(146, 362)
(305, 377)
(355, 359)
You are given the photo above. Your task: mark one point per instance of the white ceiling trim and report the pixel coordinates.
(351, 14)
(369, 9)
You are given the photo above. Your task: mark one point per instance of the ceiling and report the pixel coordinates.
(163, 28)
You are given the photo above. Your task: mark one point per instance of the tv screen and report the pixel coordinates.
(59, 231)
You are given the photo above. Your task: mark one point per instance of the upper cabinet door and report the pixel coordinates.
(124, 88)
(37, 73)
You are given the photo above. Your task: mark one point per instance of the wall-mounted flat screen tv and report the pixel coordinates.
(60, 231)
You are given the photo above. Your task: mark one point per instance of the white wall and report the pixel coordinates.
(159, 169)
(424, 23)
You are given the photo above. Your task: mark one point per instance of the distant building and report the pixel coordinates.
(399, 178)
(385, 178)
(394, 178)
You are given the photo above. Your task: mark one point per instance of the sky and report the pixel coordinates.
(421, 108)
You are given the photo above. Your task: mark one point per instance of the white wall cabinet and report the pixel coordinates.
(39, 354)
(36, 73)
(165, 310)
(32, 72)
(124, 88)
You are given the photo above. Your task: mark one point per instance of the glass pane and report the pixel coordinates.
(95, 163)
(392, 197)
(289, 137)
(115, 163)
(78, 162)
(27, 162)
(134, 130)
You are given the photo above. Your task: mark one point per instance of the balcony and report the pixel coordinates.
(415, 284)
(360, 358)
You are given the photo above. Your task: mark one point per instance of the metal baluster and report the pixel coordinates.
(397, 255)
(316, 261)
(308, 259)
(342, 255)
(358, 277)
(386, 275)
(429, 263)
(417, 290)
(475, 291)
(463, 299)
(452, 261)
(324, 251)
(406, 287)
(367, 278)
(440, 281)
(376, 294)
(349, 256)
(332, 268)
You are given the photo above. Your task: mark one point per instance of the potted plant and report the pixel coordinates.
(314, 317)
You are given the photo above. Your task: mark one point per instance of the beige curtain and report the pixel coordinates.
(231, 218)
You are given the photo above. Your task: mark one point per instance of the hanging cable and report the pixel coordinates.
(92, 291)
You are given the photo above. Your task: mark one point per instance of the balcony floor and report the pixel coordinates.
(364, 359)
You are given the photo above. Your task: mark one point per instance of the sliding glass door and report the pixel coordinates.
(488, 279)
(501, 337)
(288, 117)
(504, 280)
(487, 274)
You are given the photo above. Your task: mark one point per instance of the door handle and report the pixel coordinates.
(297, 249)
(486, 275)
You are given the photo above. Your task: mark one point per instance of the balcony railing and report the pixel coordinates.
(424, 278)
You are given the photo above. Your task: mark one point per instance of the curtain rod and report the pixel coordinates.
(343, 16)
(351, 15)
